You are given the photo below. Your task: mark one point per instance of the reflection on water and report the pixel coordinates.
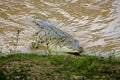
(95, 23)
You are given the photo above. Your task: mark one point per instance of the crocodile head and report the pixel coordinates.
(55, 39)
(66, 45)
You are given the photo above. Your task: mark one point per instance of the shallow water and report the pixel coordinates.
(95, 23)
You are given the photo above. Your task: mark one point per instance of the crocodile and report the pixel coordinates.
(54, 39)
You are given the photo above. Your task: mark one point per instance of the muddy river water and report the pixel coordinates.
(95, 23)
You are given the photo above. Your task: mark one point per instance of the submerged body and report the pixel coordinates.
(54, 39)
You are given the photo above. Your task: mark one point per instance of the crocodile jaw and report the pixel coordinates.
(65, 49)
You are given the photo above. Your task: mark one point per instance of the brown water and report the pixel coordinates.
(95, 23)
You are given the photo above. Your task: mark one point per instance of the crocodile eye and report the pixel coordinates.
(41, 41)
